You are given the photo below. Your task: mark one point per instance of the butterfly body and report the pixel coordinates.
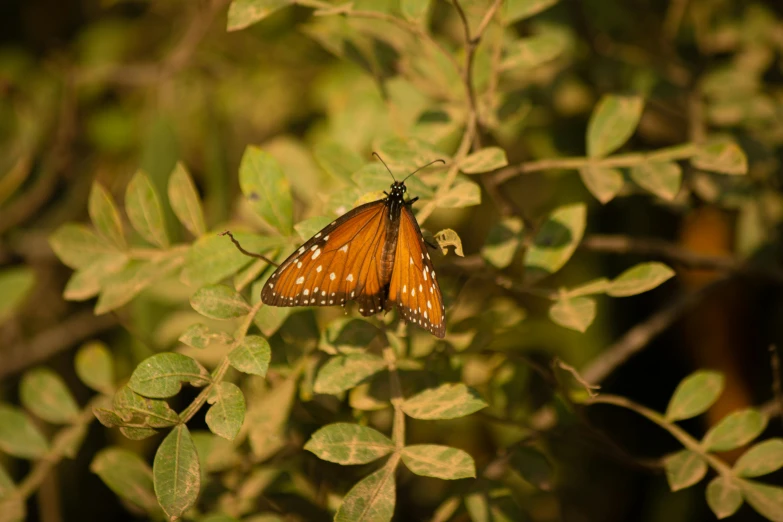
(374, 255)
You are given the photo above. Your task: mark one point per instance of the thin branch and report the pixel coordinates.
(620, 244)
(676, 153)
(675, 431)
(250, 254)
(398, 429)
(69, 332)
(674, 15)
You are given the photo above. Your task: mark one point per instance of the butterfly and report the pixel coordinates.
(374, 255)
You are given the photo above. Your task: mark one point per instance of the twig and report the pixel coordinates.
(589, 388)
(777, 389)
(72, 330)
(620, 244)
(220, 371)
(678, 433)
(679, 152)
(398, 429)
(239, 247)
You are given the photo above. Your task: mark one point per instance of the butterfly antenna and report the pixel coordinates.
(423, 167)
(384, 164)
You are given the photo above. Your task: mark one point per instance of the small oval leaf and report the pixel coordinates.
(162, 375)
(766, 500)
(694, 395)
(603, 182)
(639, 279)
(613, 121)
(346, 443)
(95, 367)
(104, 215)
(443, 462)
(44, 393)
(485, 160)
(684, 469)
(185, 202)
(343, 372)
(371, 499)
(176, 472)
(447, 401)
(763, 458)
(266, 188)
(219, 302)
(18, 435)
(662, 178)
(734, 430)
(725, 157)
(251, 356)
(576, 313)
(723, 496)
(227, 413)
(128, 476)
(142, 204)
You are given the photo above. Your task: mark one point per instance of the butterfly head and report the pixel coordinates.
(398, 190)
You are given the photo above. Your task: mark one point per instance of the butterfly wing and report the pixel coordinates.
(413, 288)
(338, 264)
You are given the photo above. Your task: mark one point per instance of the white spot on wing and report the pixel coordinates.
(332, 276)
(319, 268)
(344, 248)
(317, 253)
(300, 280)
(306, 292)
(349, 278)
(317, 235)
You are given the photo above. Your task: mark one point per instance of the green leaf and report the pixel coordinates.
(640, 279)
(213, 258)
(309, 227)
(596, 286)
(337, 160)
(443, 462)
(532, 466)
(734, 430)
(243, 13)
(502, 242)
(200, 336)
(266, 188)
(485, 160)
(516, 10)
(530, 52)
(725, 157)
(446, 238)
(373, 177)
(723, 496)
(104, 215)
(370, 500)
(162, 375)
(18, 436)
(462, 194)
(603, 182)
(406, 155)
(555, 241)
(662, 178)
(613, 121)
(346, 443)
(185, 202)
(142, 204)
(266, 419)
(576, 313)
(44, 393)
(133, 409)
(694, 395)
(15, 285)
(447, 401)
(95, 367)
(763, 458)
(766, 500)
(684, 469)
(87, 282)
(176, 472)
(343, 372)
(251, 356)
(137, 433)
(120, 288)
(219, 302)
(77, 245)
(227, 413)
(128, 476)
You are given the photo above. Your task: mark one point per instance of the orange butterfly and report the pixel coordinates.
(374, 255)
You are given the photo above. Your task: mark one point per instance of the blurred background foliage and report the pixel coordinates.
(98, 90)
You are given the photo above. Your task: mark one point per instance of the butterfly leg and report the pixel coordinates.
(431, 245)
(412, 201)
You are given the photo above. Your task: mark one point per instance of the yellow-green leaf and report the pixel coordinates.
(734, 430)
(535, 50)
(447, 401)
(219, 302)
(162, 375)
(502, 242)
(176, 472)
(15, 285)
(227, 413)
(485, 160)
(603, 182)
(443, 462)
(370, 500)
(763, 458)
(662, 178)
(142, 204)
(766, 500)
(243, 13)
(723, 496)
(725, 157)
(639, 279)
(515, 10)
(128, 476)
(684, 469)
(555, 241)
(694, 395)
(95, 367)
(446, 238)
(576, 313)
(78, 245)
(613, 121)
(44, 393)
(104, 215)
(185, 202)
(347, 443)
(267, 189)
(18, 435)
(343, 372)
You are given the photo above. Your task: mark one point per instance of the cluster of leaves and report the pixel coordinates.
(306, 371)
